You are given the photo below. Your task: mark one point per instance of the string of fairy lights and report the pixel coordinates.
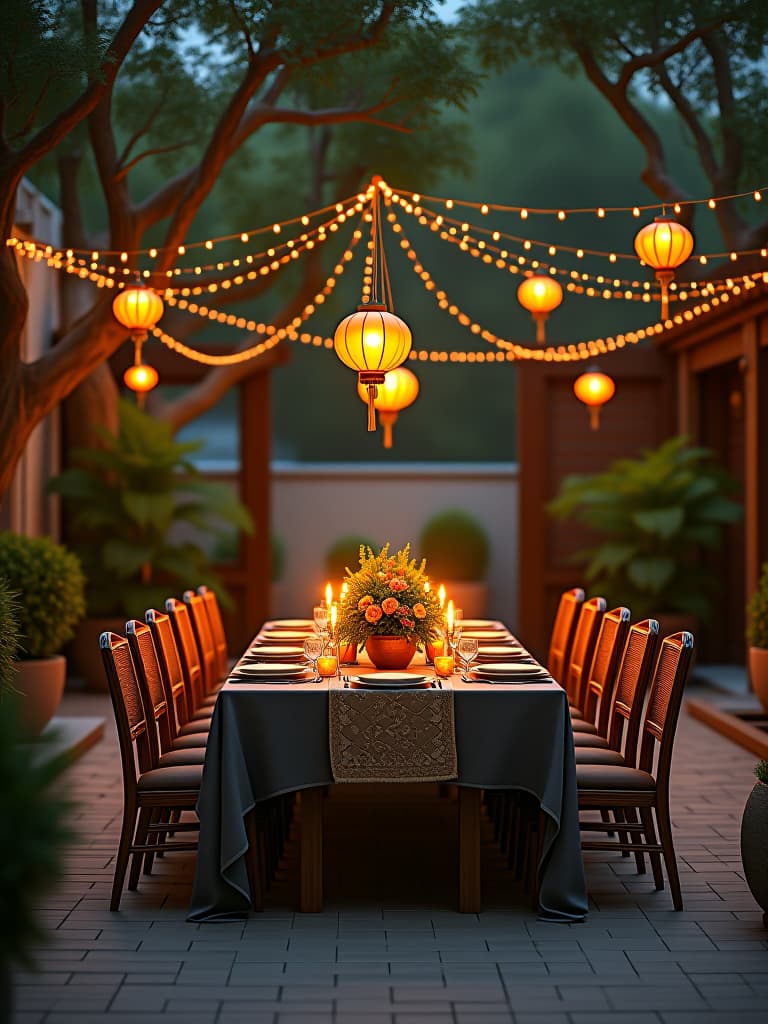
(375, 341)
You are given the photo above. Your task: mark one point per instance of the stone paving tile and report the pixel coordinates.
(634, 961)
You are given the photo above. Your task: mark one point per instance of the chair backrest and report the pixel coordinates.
(632, 681)
(583, 646)
(170, 664)
(216, 623)
(663, 708)
(601, 678)
(151, 685)
(130, 716)
(202, 630)
(562, 632)
(189, 655)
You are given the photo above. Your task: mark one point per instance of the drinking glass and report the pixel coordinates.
(313, 649)
(320, 613)
(453, 638)
(467, 650)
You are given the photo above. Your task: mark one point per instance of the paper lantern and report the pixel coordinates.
(372, 341)
(137, 308)
(141, 378)
(398, 391)
(539, 294)
(594, 389)
(664, 245)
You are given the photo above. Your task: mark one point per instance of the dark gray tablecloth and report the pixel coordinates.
(271, 739)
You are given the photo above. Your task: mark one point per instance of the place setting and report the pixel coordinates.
(277, 672)
(505, 672)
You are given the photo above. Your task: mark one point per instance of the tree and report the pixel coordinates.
(704, 59)
(183, 86)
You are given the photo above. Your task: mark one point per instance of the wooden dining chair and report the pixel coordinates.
(189, 655)
(601, 677)
(175, 680)
(644, 790)
(198, 616)
(147, 788)
(216, 624)
(582, 649)
(562, 632)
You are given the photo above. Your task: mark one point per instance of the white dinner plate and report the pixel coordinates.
(486, 634)
(491, 651)
(303, 624)
(275, 653)
(274, 670)
(284, 636)
(500, 673)
(480, 623)
(391, 680)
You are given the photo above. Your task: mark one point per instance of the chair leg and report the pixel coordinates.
(255, 862)
(650, 837)
(670, 862)
(123, 853)
(605, 815)
(145, 816)
(155, 838)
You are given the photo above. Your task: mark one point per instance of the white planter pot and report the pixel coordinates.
(40, 683)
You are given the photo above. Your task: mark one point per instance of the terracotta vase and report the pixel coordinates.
(40, 686)
(348, 654)
(390, 652)
(758, 673)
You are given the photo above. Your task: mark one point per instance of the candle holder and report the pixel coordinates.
(327, 666)
(433, 648)
(444, 665)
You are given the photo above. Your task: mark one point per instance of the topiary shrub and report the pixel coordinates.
(50, 586)
(757, 613)
(9, 636)
(761, 771)
(344, 554)
(455, 545)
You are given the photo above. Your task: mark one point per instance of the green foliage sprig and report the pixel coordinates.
(127, 501)
(386, 597)
(652, 516)
(761, 771)
(49, 583)
(757, 613)
(9, 636)
(455, 545)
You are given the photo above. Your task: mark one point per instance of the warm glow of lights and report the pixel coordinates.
(540, 295)
(664, 245)
(398, 391)
(141, 378)
(137, 308)
(594, 389)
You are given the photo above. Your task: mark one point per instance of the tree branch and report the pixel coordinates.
(143, 129)
(654, 58)
(733, 150)
(126, 168)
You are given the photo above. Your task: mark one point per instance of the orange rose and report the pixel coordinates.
(398, 585)
(373, 613)
(419, 611)
(363, 603)
(389, 604)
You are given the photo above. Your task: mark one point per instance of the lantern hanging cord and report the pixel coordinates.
(381, 283)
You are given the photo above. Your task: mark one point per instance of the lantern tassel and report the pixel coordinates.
(540, 319)
(664, 277)
(372, 393)
(594, 417)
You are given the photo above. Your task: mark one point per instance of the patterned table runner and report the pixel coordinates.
(392, 736)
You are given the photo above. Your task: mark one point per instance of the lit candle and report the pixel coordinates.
(328, 595)
(449, 617)
(426, 586)
(334, 615)
(326, 666)
(441, 596)
(344, 591)
(443, 665)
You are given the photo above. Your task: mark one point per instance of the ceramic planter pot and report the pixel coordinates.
(348, 654)
(754, 845)
(390, 652)
(758, 673)
(40, 682)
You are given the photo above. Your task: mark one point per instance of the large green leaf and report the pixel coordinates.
(651, 573)
(125, 558)
(221, 503)
(149, 509)
(661, 522)
(718, 509)
(610, 557)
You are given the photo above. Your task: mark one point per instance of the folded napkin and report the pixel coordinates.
(392, 736)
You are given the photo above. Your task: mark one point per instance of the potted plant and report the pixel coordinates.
(48, 583)
(757, 637)
(134, 506)
(652, 515)
(31, 857)
(754, 839)
(455, 545)
(386, 609)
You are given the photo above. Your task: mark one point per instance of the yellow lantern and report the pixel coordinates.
(141, 378)
(539, 294)
(372, 341)
(398, 391)
(664, 245)
(594, 389)
(137, 308)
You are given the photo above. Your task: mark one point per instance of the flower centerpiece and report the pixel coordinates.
(389, 608)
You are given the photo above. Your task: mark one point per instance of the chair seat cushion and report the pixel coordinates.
(209, 701)
(580, 725)
(195, 728)
(173, 758)
(596, 755)
(202, 714)
(192, 741)
(588, 739)
(604, 776)
(182, 778)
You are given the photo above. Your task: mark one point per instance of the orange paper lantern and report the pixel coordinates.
(398, 391)
(664, 245)
(137, 308)
(539, 294)
(141, 378)
(594, 389)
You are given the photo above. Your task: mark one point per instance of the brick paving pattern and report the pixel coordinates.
(389, 952)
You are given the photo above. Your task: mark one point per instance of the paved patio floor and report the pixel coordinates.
(402, 955)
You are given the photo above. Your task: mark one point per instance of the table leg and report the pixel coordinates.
(469, 850)
(311, 856)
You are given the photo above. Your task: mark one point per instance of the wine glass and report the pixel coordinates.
(320, 613)
(454, 636)
(467, 650)
(313, 649)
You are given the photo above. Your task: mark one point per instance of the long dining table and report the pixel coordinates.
(269, 738)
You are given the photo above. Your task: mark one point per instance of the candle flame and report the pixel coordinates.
(441, 595)
(328, 595)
